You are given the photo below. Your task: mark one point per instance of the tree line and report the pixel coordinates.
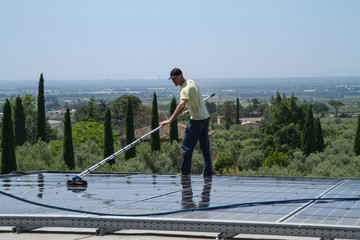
(16, 134)
(290, 134)
(287, 141)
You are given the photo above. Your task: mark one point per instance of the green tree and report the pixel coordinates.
(84, 132)
(228, 110)
(129, 129)
(68, 148)
(336, 104)
(285, 112)
(211, 107)
(288, 135)
(90, 109)
(155, 137)
(255, 103)
(108, 137)
(319, 139)
(308, 135)
(30, 117)
(277, 98)
(8, 158)
(293, 109)
(276, 158)
(173, 133)
(237, 111)
(40, 126)
(19, 122)
(118, 110)
(357, 138)
(223, 161)
(320, 108)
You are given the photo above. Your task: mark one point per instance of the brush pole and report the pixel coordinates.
(131, 145)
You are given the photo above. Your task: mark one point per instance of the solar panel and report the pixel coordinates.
(134, 194)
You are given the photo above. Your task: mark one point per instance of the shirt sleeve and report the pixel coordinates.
(184, 94)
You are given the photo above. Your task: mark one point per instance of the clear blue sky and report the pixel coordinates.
(145, 39)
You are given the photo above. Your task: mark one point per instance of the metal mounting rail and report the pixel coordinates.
(190, 225)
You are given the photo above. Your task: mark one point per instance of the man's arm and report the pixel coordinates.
(178, 111)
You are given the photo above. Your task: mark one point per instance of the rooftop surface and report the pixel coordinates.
(308, 207)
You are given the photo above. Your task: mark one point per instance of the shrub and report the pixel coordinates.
(222, 162)
(132, 165)
(298, 163)
(276, 158)
(174, 152)
(251, 159)
(197, 164)
(87, 154)
(40, 156)
(162, 163)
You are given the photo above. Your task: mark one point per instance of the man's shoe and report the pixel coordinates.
(183, 175)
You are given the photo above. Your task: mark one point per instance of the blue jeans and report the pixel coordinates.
(196, 130)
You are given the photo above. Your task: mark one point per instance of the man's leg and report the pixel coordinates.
(191, 136)
(205, 148)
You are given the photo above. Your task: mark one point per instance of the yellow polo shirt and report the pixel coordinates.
(191, 92)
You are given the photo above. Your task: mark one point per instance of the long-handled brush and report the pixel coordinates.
(78, 181)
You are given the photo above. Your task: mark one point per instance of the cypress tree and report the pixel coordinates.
(237, 111)
(129, 129)
(108, 137)
(68, 149)
(173, 133)
(8, 158)
(319, 139)
(40, 126)
(357, 138)
(277, 99)
(90, 109)
(228, 113)
(19, 122)
(308, 135)
(155, 137)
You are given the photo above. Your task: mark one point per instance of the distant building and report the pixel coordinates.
(59, 125)
(62, 112)
(69, 101)
(255, 114)
(251, 122)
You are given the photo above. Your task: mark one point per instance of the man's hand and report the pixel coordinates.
(166, 122)
(178, 111)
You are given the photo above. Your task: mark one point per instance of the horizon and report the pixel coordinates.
(197, 79)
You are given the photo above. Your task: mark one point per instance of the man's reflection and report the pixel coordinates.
(187, 201)
(205, 194)
(40, 185)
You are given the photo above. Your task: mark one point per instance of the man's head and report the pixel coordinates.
(176, 76)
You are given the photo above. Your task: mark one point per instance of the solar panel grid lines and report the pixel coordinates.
(308, 204)
(148, 193)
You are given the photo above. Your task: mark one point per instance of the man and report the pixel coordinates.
(197, 128)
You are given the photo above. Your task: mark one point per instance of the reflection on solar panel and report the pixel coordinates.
(132, 194)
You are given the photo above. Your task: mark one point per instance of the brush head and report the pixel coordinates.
(76, 183)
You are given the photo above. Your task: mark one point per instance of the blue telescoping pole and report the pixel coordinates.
(131, 145)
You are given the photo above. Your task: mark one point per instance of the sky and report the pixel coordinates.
(145, 39)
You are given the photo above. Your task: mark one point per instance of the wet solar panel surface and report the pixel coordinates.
(146, 193)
